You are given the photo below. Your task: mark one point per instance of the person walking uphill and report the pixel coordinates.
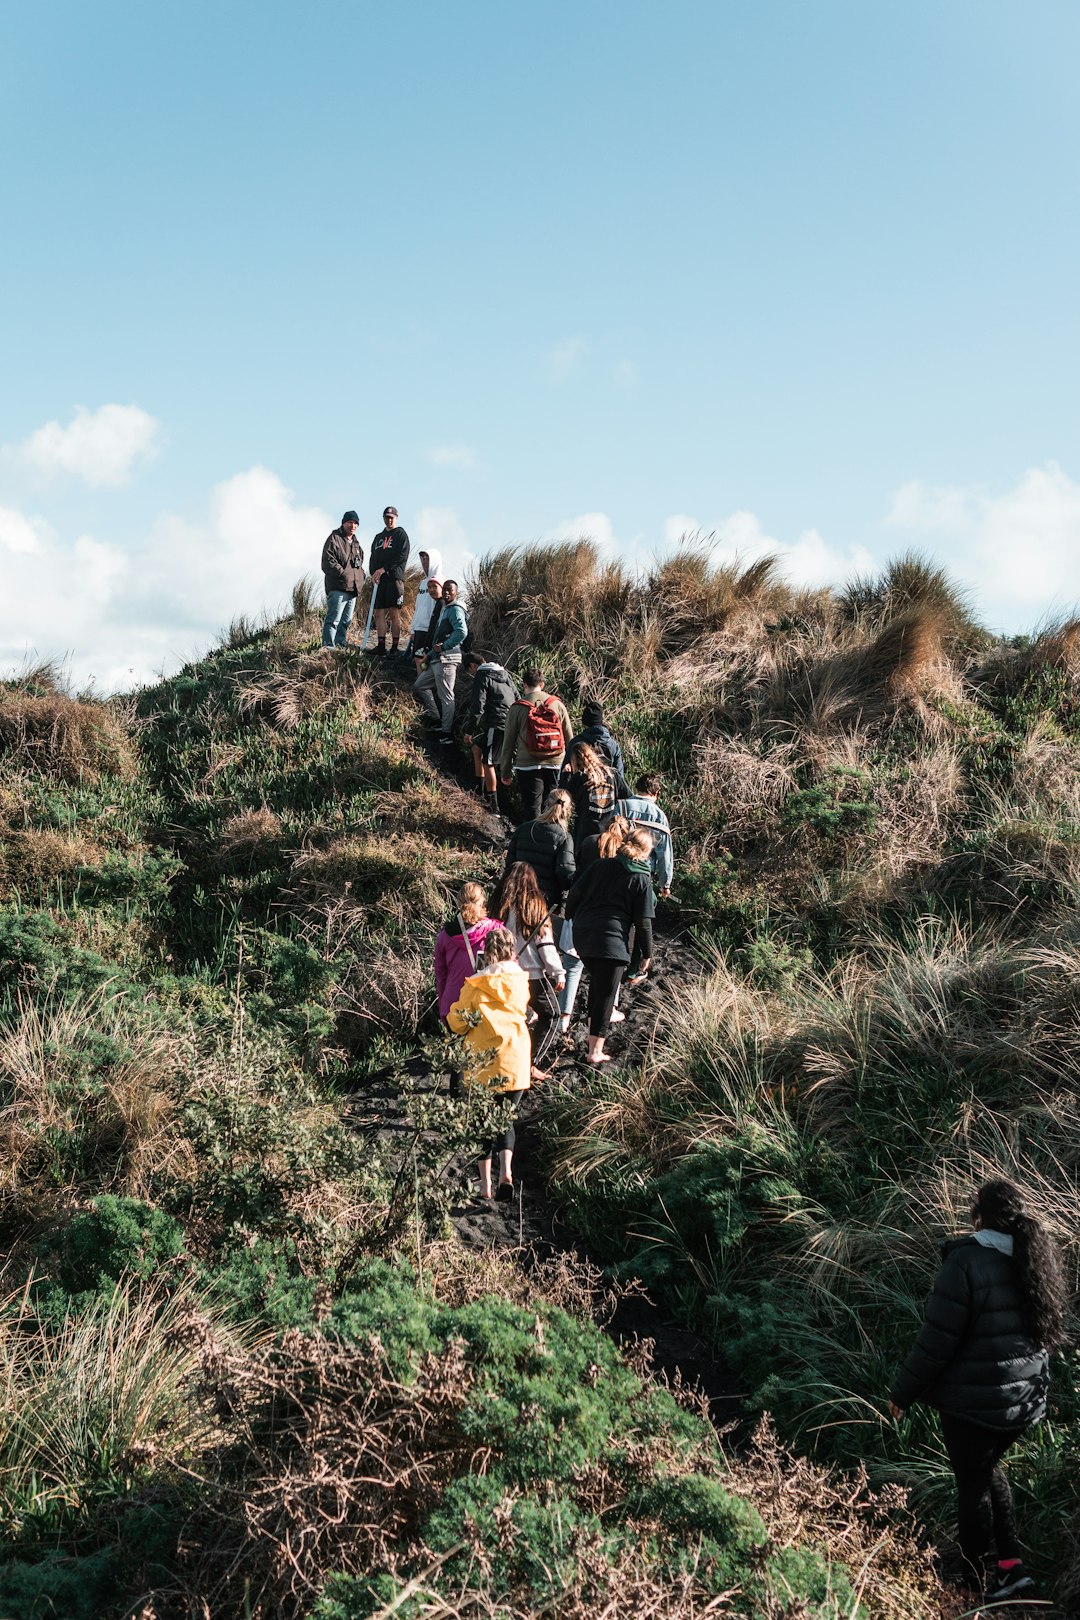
(610, 903)
(343, 575)
(491, 1014)
(981, 1358)
(458, 945)
(546, 846)
(597, 735)
(641, 809)
(493, 693)
(594, 786)
(444, 661)
(389, 556)
(534, 743)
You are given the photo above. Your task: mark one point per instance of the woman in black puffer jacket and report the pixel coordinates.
(982, 1359)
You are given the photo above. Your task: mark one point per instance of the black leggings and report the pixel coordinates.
(605, 977)
(544, 1000)
(505, 1138)
(984, 1505)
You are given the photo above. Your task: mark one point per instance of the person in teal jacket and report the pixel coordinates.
(435, 686)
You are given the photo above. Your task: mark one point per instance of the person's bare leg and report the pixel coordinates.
(395, 626)
(491, 781)
(506, 1159)
(381, 615)
(478, 765)
(596, 1049)
(485, 1178)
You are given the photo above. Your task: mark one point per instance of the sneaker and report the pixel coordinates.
(1008, 1583)
(617, 1017)
(447, 742)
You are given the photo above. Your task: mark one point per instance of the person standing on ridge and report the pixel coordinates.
(534, 743)
(343, 575)
(444, 661)
(493, 694)
(389, 555)
(431, 563)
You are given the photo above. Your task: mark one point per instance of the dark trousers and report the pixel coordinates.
(604, 979)
(984, 1505)
(544, 1001)
(534, 787)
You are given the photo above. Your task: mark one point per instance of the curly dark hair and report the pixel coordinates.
(1040, 1273)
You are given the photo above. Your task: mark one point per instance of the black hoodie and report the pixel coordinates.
(389, 550)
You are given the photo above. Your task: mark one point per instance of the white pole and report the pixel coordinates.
(370, 616)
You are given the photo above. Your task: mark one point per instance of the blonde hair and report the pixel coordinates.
(613, 837)
(472, 904)
(558, 807)
(587, 762)
(498, 947)
(637, 845)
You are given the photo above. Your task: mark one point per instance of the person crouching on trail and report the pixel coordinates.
(534, 743)
(981, 1358)
(491, 1014)
(419, 640)
(389, 556)
(525, 912)
(493, 694)
(457, 949)
(343, 575)
(444, 662)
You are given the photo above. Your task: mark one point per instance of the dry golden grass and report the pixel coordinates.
(248, 834)
(73, 739)
(31, 857)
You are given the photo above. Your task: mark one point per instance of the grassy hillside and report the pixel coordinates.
(877, 813)
(246, 1370)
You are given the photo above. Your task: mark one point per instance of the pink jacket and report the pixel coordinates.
(452, 965)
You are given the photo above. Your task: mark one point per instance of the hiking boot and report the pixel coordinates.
(1010, 1583)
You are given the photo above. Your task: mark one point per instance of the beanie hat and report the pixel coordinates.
(351, 517)
(592, 714)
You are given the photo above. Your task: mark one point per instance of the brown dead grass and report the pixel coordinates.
(310, 684)
(248, 834)
(33, 856)
(68, 738)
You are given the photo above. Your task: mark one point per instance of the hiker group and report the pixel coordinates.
(576, 899)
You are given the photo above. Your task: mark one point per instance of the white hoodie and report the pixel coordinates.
(424, 605)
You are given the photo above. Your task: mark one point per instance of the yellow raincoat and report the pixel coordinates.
(490, 1013)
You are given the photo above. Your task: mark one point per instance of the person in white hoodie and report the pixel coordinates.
(427, 598)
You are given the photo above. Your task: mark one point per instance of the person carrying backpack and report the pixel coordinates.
(981, 1358)
(534, 743)
(493, 694)
(527, 915)
(491, 1014)
(458, 945)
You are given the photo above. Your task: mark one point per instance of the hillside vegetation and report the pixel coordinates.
(248, 1372)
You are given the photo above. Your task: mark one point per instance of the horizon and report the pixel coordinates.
(801, 279)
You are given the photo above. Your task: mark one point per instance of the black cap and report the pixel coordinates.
(390, 511)
(351, 517)
(592, 714)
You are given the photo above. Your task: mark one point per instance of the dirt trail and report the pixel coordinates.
(529, 1229)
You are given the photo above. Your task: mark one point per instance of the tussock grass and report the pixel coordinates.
(44, 728)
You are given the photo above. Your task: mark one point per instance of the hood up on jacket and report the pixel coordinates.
(435, 567)
(425, 606)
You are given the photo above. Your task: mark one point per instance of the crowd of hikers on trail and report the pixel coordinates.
(576, 899)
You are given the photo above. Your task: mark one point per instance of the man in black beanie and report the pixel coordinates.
(343, 575)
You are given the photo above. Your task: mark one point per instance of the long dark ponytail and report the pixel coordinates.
(1039, 1270)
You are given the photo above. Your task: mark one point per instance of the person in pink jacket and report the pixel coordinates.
(458, 946)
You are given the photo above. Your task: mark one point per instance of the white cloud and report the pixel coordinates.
(101, 447)
(458, 457)
(589, 526)
(564, 360)
(808, 560)
(1017, 551)
(19, 533)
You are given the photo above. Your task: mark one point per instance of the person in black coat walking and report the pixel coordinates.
(610, 903)
(493, 695)
(594, 786)
(981, 1358)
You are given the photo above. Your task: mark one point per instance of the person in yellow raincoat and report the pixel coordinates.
(491, 1015)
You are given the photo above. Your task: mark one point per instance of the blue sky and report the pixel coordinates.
(804, 274)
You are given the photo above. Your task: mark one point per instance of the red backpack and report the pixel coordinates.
(543, 728)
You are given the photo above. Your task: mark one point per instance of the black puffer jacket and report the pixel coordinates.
(493, 693)
(606, 903)
(549, 850)
(973, 1357)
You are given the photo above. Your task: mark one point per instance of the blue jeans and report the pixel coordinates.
(339, 612)
(572, 967)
